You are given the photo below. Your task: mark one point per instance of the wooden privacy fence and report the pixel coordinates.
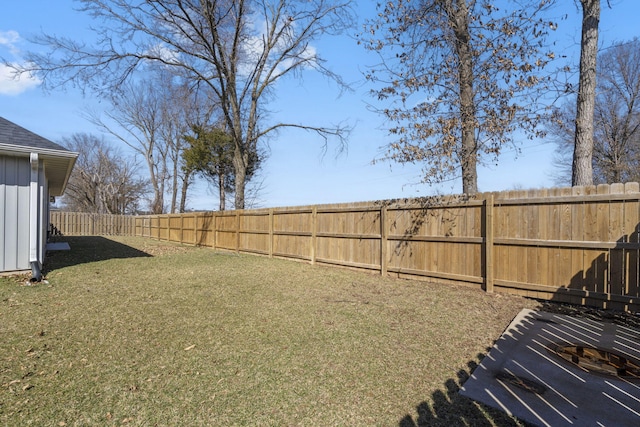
(578, 245)
(86, 224)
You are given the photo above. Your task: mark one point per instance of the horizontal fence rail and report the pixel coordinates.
(579, 245)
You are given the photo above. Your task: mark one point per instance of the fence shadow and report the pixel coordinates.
(203, 229)
(86, 249)
(610, 281)
(448, 408)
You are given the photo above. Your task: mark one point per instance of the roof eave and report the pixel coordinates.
(58, 183)
(19, 150)
(56, 188)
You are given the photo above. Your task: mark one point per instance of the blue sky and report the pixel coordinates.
(297, 172)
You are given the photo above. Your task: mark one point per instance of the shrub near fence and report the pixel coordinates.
(577, 245)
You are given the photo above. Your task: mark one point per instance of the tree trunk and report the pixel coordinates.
(221, 186)
(174, 187)
(459, 17)
(183, 192)
(240, 170)
(157, 204)
(582, 170)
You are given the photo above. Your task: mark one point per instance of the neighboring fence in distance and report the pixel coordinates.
(578, 245)
(85, 224)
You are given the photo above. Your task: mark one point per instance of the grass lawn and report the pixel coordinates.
(131, 331)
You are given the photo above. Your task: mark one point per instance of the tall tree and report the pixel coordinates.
(459, 77)
(103, 180)
(239, 48)
(136, 120)
(616, 134)
(182, 107)
(616, 120)
(151, 116)
(582, 171)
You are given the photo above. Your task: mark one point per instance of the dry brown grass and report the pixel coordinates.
(137, 332)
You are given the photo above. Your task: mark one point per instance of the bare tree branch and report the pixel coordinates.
(240, 49)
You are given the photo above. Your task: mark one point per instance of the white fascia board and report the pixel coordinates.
(17, 150)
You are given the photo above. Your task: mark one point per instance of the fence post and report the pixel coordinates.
(195, 229)
(214, 223)
(383, 241)
(271, 233)
(488, 244)
(314, 233)
(237, 231)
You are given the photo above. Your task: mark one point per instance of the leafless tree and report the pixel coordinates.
(616, 120)
(151, 116)
(103, 180)
(457, 77)
(136, 120)
(617, 114)
(239, 48)
(183, 107)
(561, 131)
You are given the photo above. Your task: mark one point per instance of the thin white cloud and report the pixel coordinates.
(164, 53)
(12, 85)
(254, 47)
(10, 39)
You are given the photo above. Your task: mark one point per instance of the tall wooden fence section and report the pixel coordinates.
(85, 224)
(578, 245)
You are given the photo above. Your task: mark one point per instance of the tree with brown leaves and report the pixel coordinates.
(458, 78)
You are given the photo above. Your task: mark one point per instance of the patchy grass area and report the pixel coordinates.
(138, 332)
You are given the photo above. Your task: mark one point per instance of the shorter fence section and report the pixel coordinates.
(86, 224)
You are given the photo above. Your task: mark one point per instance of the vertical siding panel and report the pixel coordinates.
(12, 201)
(14, 180)
(3, 203)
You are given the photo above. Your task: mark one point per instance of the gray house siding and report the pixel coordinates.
(31, 168)
(14, 200)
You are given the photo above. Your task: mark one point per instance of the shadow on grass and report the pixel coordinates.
(85, 249)
(449, 408)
